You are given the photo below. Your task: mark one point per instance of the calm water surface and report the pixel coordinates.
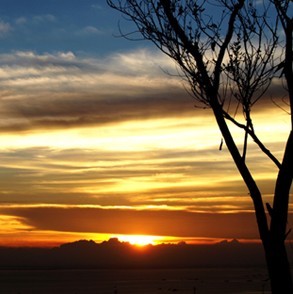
(147, 281)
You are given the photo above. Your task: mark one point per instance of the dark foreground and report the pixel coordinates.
(205, 280)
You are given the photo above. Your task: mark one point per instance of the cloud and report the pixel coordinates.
(130, 221)
(36, 19)
(21, 20)
(165, 176)
(55, 90)
(89, 30)
(117, 131)
(5, 28)
(96, 6)
(63, 90)
(44, 18)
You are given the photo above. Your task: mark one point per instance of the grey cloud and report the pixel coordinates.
(61, 91)
(64, 112)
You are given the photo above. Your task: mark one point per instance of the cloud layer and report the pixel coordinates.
(51, 91)
(120, 134)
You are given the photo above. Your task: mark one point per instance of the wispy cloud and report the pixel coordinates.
(52, 90)
(96, 6)
(44, 18)
(21, 20)
(5, 28)
(89, 30)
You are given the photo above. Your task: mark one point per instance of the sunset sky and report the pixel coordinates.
(99, 141)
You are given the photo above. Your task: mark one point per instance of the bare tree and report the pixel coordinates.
(229, 51)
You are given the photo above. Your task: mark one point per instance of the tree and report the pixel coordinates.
(229, 51)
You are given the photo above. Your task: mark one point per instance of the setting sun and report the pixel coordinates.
(140, 240)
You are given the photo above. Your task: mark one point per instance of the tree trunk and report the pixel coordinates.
(273, 241)
(244, 171)
(280, 267)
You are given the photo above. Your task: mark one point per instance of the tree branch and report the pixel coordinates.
(223, 48)
(254, 137)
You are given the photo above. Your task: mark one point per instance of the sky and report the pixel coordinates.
(100, 139)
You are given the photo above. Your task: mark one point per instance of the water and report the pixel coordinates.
(135, 281)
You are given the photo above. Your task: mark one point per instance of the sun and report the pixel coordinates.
(139, 240)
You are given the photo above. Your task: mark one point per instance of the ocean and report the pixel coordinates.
(213, 280)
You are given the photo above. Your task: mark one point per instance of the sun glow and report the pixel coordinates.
(140, 240)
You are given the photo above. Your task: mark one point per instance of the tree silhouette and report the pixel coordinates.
(229, 51)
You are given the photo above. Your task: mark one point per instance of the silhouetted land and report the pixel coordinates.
(116, 254)
(118, 267)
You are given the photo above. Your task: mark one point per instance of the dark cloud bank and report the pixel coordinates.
(149, 222)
